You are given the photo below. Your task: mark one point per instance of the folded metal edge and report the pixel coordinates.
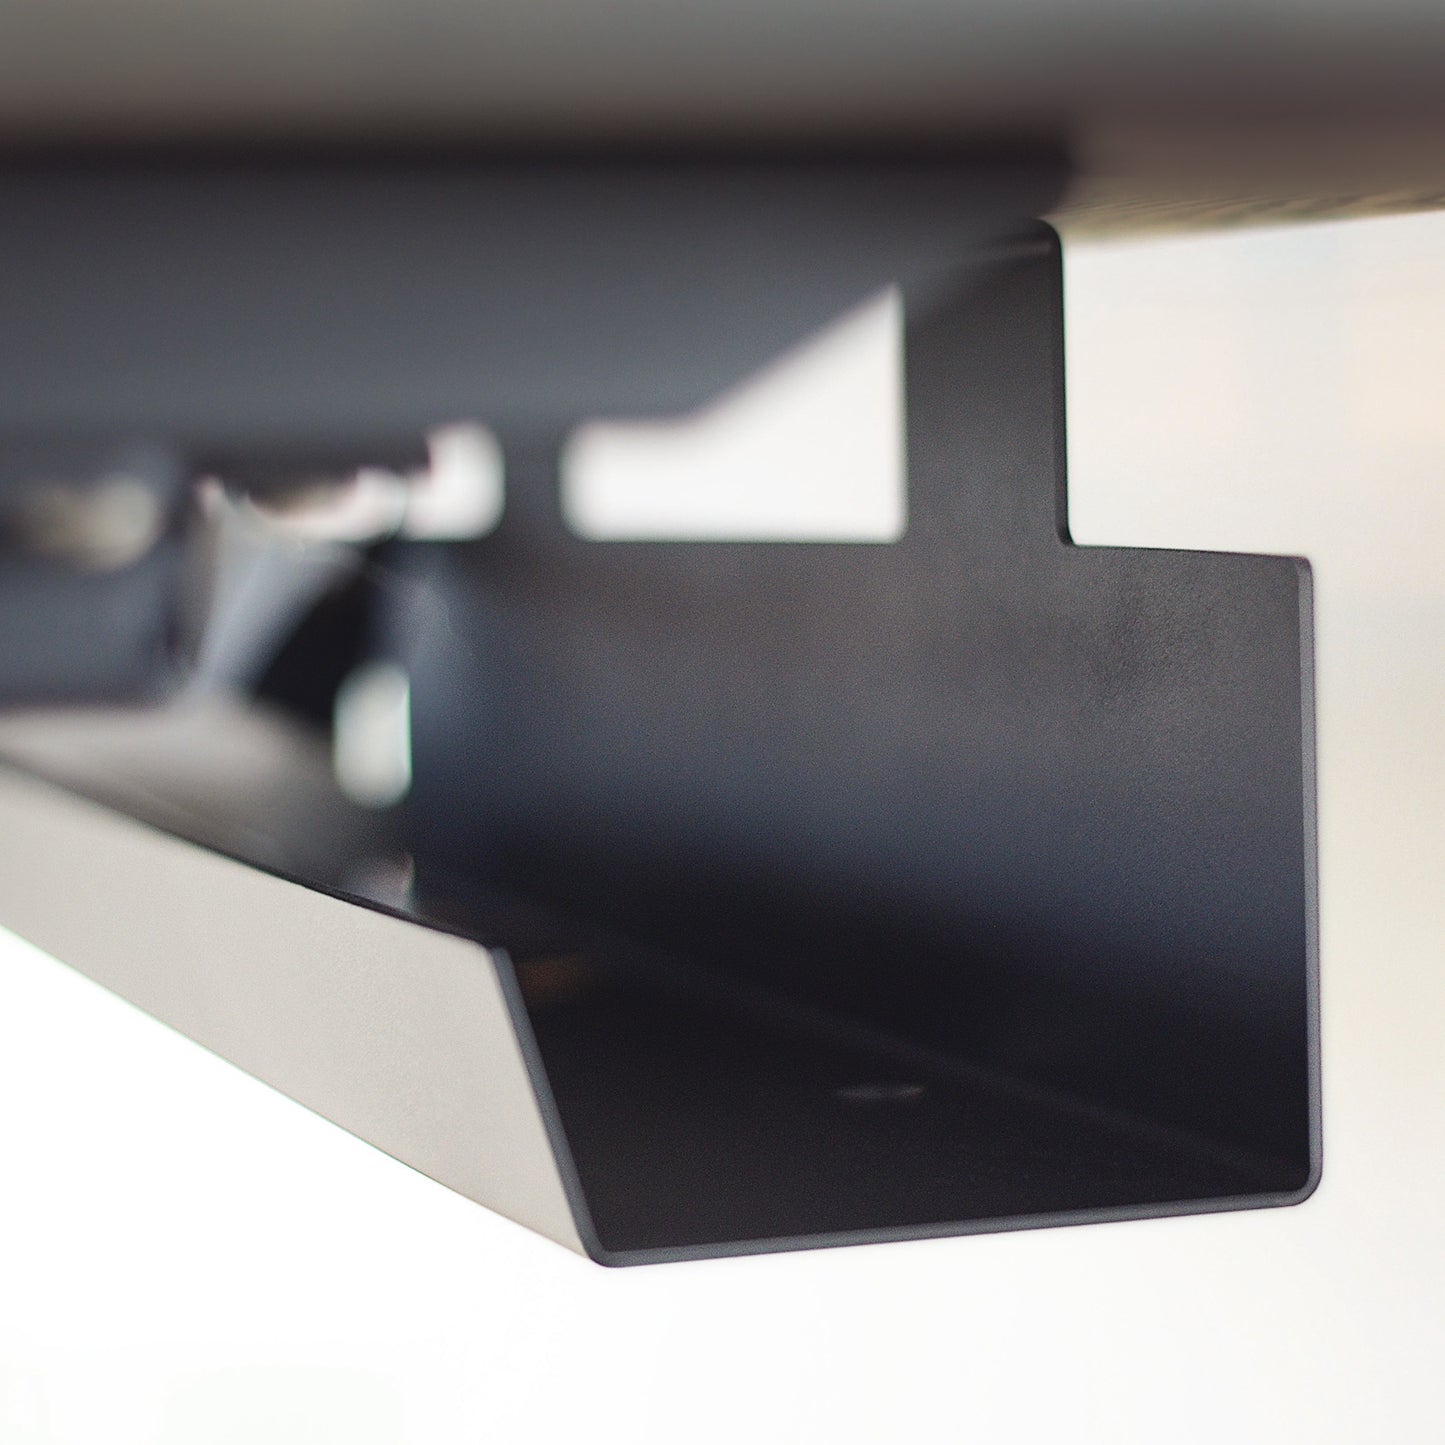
(402, 1034)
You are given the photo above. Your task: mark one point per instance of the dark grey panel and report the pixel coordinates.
(271, 305)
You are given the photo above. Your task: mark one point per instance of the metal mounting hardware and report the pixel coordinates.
(818, 893)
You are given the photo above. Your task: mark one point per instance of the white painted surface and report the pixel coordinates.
(809, 450)
(186, 1257)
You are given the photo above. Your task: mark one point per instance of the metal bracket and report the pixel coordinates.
(827, 892)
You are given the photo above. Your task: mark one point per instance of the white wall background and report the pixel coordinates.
(188, 1259)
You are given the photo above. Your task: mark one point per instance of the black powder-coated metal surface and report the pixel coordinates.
(1041, 810)
(694, 1125)
(964, 882)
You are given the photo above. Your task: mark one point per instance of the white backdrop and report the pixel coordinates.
(187, 1258)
